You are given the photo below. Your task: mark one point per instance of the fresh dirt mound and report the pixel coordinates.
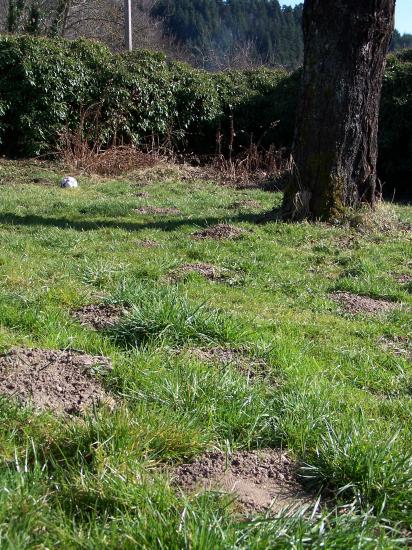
(99, 316)
(61, 381)
(399, 345)
(353, 303)
(219, 231)
(158, 210)
(247, 203)
(253, 368)
(260, 480)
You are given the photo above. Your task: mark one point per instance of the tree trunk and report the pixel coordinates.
(336, 139)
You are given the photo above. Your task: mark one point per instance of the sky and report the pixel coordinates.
(403, 20)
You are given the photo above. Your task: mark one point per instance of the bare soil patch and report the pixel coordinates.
(170, 211)
(254, 368)
(259, 480)
(60, 381)
(99, 316)
(354, 303)
(219, 231)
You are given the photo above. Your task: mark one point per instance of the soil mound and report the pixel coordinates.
(219, 231)
(353, 303)
(158, 210)
(61, 381)
(259, 480)
(99, 316)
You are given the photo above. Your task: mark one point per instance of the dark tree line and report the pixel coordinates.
(220, 34)
(400, 41)
(214, 31)
(213, 34)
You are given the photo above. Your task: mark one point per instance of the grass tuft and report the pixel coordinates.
(165, 316)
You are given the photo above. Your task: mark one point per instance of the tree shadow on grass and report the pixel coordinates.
(32, 220)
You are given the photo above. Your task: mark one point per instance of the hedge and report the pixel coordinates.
(50, 86)
(395, 137)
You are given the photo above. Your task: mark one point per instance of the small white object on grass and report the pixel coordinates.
(68, 182)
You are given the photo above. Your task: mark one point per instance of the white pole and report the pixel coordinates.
(128, 42)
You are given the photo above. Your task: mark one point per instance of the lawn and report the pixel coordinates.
(336, 391)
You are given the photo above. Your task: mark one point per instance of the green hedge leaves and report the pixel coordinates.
(48, 87)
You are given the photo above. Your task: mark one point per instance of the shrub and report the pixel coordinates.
(138, 97)
(54, 87)
(43, 83)
(196, 100)
(49, 87)
(266, 109)
(395, 138)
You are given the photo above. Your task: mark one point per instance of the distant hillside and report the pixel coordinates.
(221, 34)
(235, 33)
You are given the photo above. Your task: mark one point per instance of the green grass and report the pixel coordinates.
(163, 315)
(342, 403)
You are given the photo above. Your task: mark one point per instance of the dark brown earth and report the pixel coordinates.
(157, 210)
(219, 231)
(260, 480)
(60, 381)
(354, 303)
(253, 368)
(99, 316)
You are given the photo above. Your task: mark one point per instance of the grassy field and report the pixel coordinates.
(338, 390)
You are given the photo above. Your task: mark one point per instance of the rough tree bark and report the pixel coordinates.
(335, 149)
